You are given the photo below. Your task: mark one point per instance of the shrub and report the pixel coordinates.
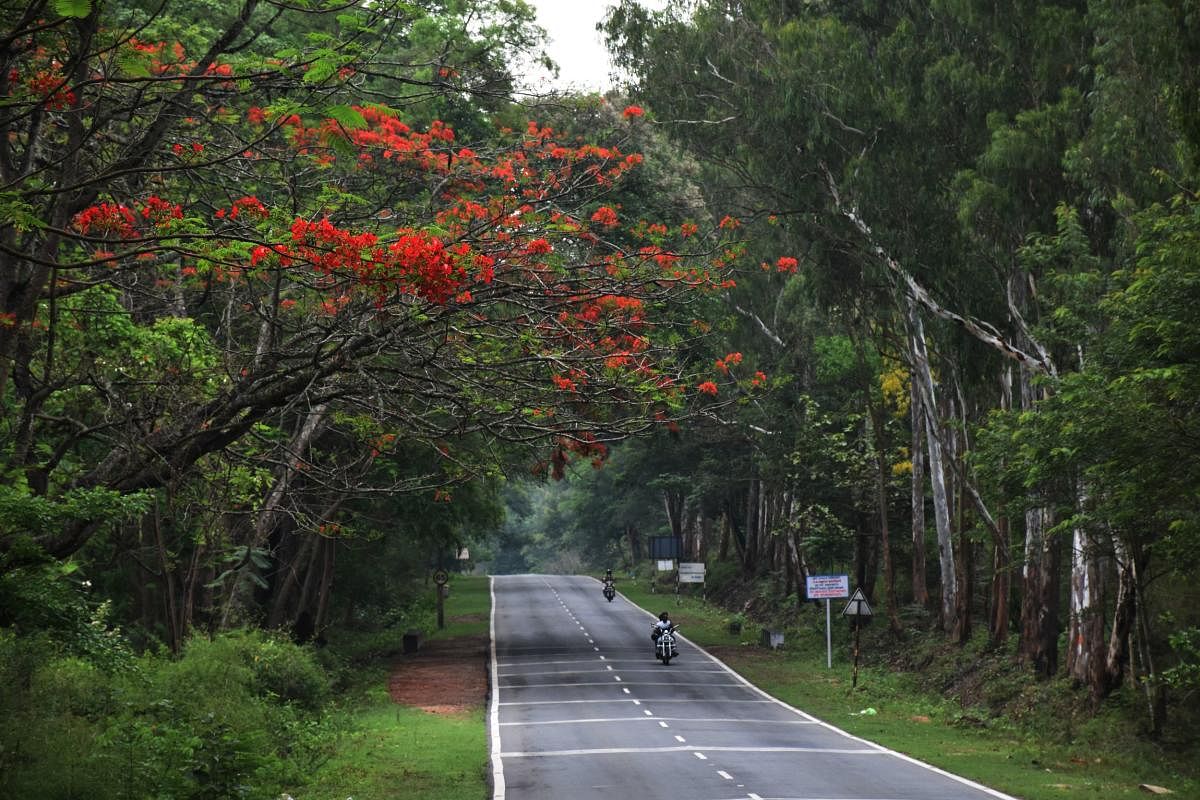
(235, 717)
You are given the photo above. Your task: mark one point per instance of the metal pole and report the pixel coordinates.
(828, 638)
(854, 680)
(441, 606)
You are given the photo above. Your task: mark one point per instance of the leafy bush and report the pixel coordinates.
(234, 717)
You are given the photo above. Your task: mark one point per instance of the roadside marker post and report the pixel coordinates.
(856, 609)
(440, 577)
(827, 587)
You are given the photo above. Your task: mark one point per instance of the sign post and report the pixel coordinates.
(690, 572)
(440, 577)
(828, 587)
(856, 609)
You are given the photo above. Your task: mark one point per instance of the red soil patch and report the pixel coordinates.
(447, 676)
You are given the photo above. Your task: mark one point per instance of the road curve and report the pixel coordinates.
(580, 710)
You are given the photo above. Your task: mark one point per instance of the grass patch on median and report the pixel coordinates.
(1054, 751)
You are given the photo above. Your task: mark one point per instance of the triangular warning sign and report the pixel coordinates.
(858, 605)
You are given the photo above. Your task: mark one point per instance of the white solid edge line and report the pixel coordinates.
(834, 728)
(494, 712)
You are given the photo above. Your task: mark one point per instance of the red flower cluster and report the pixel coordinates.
(605, 216)
(160, 211)
(52, 88)
(106, 219)
(632, 111)
(245, 205)
(708, 387)
(723, 364)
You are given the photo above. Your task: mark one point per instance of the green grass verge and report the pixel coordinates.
(1029, 758)
(468, 607)
(392, 751)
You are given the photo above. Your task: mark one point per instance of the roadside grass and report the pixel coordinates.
(467, 608)
(1053, 752)
(391, 750)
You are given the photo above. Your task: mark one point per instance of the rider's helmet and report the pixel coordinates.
(664, 616)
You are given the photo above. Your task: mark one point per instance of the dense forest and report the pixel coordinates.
(301, 299)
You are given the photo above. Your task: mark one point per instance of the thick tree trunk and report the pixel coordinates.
(749, 565)
(800, 568)
(170, 598)
(1106, 676)
(923, 374)
(1155, 690)
(635, 542)
(1039, 604)
(1038, 644)
(998, 621)
(323, 596)
(288, 579)
(920, 589)
(1085, 626)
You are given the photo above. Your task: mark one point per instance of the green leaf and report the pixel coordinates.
(320, 70)
(134, 65)
(73, 8)
(347, 117)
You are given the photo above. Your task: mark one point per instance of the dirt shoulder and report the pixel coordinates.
(447, 676)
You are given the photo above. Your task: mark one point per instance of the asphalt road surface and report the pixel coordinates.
(581, 710)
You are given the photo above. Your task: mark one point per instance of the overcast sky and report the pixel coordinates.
(575, 44)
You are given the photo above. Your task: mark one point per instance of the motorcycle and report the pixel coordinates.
(609, 592)
(664, 645)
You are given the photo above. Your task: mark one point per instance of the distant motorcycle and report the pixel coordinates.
(609, 592)
(664, 645)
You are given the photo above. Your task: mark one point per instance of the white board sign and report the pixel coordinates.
(666, 565)
(823, 587)
(691, 567)
(691, 577)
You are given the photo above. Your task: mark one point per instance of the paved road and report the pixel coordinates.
(580, 710)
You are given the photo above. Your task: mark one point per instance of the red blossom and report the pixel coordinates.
(539, 247)
(632, 111)
(106, 219)
(160, 211)
(786, 264)
(708, 387)
(248, 205)
(605, 216)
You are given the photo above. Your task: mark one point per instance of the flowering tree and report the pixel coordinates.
(209, 249)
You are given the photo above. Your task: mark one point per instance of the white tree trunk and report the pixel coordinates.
(917, 419)
(1085, 641)
(923, 374)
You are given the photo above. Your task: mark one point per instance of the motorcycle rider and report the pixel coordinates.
(608, 577)
(664, 624)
